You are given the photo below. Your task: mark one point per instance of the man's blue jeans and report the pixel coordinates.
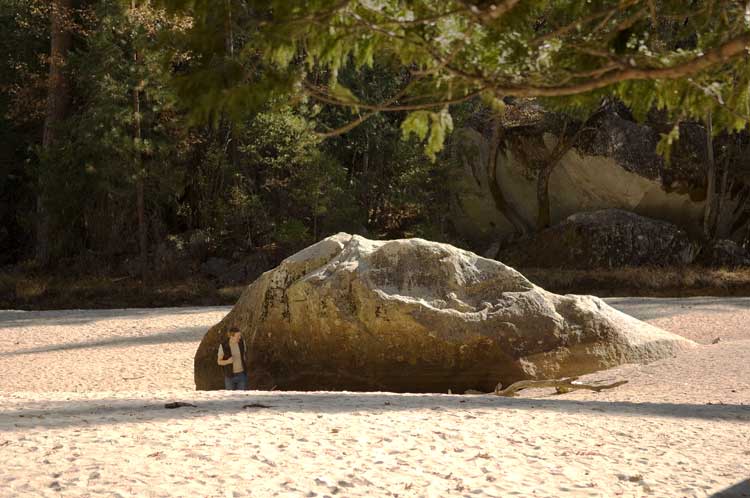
(236, 383)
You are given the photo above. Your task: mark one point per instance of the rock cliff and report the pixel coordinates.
(614, 164)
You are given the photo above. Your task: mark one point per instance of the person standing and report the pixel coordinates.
(232, 359)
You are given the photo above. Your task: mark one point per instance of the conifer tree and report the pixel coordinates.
(58, 98)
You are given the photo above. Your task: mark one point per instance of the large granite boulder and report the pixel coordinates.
(603, 239)
(410, 315)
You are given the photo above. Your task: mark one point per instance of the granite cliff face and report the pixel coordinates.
(614, 164)
(410, 315)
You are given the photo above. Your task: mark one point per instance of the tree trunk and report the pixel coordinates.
(728, 214)
(564, 144)
(58, 98)
(229, 48)
(542, 196)
(142, 233)
(315, 212)
(139, 169)
(501, 204)
(708, 215)
(719, 227)
(544, 211)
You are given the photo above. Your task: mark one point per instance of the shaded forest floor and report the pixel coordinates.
(678, 281)
(58, 290)
(55, 291)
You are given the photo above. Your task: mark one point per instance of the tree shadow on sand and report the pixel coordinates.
(112, 411)
(185, 334)
(20, 319)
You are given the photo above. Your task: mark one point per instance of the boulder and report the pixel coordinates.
(603, 239)
(723, 253)
(411, 315)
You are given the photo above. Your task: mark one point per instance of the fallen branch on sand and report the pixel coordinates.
(562, 386)
(178, 404)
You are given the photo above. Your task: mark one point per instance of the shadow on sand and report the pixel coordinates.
(107, 411)
(187, 334)
(17, 319)
(739, 490)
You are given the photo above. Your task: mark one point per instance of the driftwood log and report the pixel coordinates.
(561, 386)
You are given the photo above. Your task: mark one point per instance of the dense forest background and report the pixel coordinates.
(137, 170)
(133, 185)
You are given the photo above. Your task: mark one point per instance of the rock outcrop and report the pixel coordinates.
(603, 239)
(614, 164)
(723, 253)
(410, 315)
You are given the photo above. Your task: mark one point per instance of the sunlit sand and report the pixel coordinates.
(82, 413)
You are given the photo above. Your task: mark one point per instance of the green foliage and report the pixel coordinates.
(439, 124)
(664, 147)
(98, 159)
(394, 190)
(234, 94)
(418, 123)
(228, 151)
(571, 53)
(24, 24)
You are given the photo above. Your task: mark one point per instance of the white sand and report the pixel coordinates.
(82, 397)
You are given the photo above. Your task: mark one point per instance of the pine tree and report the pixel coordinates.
(58, 98)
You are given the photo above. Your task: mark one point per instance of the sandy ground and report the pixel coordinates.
(82, 413)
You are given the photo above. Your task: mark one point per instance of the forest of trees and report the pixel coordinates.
(104, 163)
(131, 128)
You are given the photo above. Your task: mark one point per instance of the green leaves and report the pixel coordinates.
(441, 124)
(438, 124)
(664, 147)
(343, 94)
(282, 55)
(494, 103)
(417, 123)
(572, 53)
